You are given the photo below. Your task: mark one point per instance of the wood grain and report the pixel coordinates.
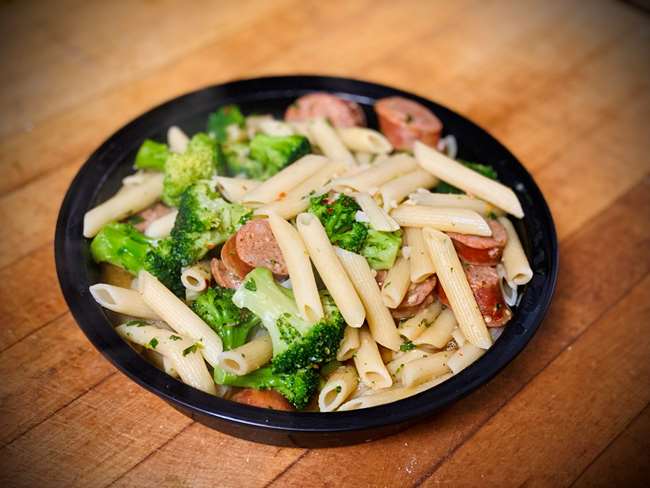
(565, 86)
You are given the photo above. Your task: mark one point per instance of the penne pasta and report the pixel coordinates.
(381, 324)
(439, 333)
(121, 300)
(363, 158)
(364, 140)
(467, 180)
(234, 189)
(396, 283)
(297, 200)
(338, 387)
(177, 140)
(274, 127)
(446, 219)
(464, 356)
(395, 365)
(420, 322)
(329, 142)
(458, 336)
(349, 344)
(179, 316)
(393, 192)
(415, 372)
(299, 267)
(247, 357)
(129, 200)
(330, 269)
(420, 264)
(454, 282)
(162, 227)
(279, 185)
(515, 262)
(370, 179)
(197, 277)
(369, 364)
(181, 350)
(377, 216)
(450, 200)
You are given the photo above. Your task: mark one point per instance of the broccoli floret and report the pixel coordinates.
(234, 158)
(484, 169)
(181, 170)
(381, 248)
(296, 343)
(297, 387)
(204, 221)
(151, 155)
(124, 246)
(338, 216)
(233, 324)
(276, 152)
(219, 121)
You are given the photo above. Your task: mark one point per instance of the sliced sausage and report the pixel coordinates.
(150, 214)
(262, 398)
(223, 276)
(484, 282)
(481, 250)
(405, 121)
(257, 247)
(339, 112)
(417, 292)
(402, 312)
(231, 259)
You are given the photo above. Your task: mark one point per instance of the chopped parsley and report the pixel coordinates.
(152, 343)
(407, 345)
(492, 216)
(250, 285)
(174, 337)
(136, 323)
(193, 348)
(338, 389)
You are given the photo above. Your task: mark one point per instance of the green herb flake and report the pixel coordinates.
(407, 346)
(492, 216)
(193, 348)
(338, 389)
(136, 323)
(250, 285)
(152, 343)
(174, 338)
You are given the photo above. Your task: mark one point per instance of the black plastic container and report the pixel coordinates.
(101, 176)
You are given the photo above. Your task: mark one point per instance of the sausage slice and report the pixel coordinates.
(484, 282)
(150, 214)
(405, 121)
(262, 398)
(406, 312)
(339, 112)
(231, 259)
(223, 276)
(417, 292)
(257, 247)
(481, 250)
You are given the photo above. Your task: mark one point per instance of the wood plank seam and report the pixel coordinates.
(430, 472)
(48, 322)
(612, 441)
(287, 468)
(150, 454)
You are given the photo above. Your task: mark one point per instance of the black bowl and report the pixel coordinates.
(101, 175)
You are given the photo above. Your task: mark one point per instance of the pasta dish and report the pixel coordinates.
(309, 262)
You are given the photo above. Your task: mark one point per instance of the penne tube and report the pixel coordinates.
(446, 219)
(161, 362)
(197, 277)
(381, 323)
(247, 357)
(420, 264)
(121, 300)
(377, 216)
(299, 266)
(274, 127)
(181, 350)
(515, 262)
(162, 227)
(396, 364)
(420, 322)
(129, 200)
(369, 364)
(279, 185)
(177, 140)
(439, 333)
(338, 387)
(330, 269)
(370, 179)
(363, 158)
(449, 200)
(329, 142)
(234, 189)
(394, 191)
(458, 336)
(464, 356)
(364, 140)
(454, 282)
(467, 180)
(297, 200)
(396, 283)
(179, 316)
(425, 369)
(349, 344)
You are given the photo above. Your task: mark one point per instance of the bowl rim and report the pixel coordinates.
(70, 250)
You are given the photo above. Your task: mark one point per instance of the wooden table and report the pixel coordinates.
(565, 85)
